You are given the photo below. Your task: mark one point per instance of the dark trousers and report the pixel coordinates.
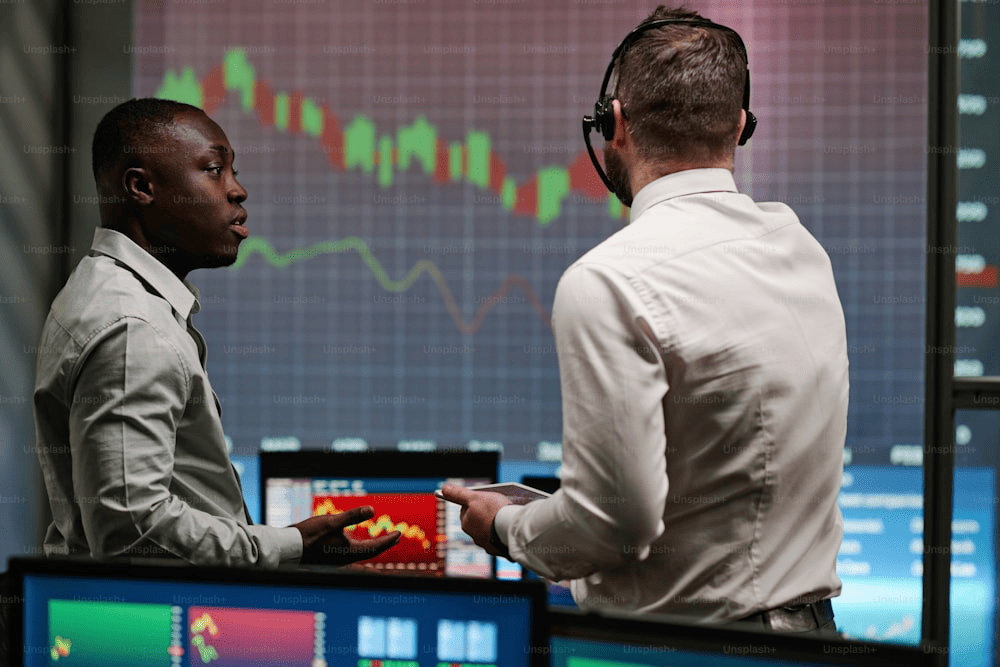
(815, 619)
(827, 630)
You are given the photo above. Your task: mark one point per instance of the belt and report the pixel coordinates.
(800, 618)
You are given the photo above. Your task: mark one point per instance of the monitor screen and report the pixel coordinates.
(624, 640)
(400, 487)
(881, 558)
(86, 613)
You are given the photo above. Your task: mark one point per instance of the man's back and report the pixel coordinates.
(740, 325)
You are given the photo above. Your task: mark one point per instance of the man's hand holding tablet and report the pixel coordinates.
(519, 494)
(481, 504)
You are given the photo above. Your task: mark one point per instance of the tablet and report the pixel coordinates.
(517, 493)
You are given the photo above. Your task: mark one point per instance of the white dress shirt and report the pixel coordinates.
(703, 363)
(128, 429)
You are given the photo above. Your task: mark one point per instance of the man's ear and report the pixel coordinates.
(137, 186)
(621, 130)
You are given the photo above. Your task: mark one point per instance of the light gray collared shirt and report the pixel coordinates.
(703, 363)
(128, 430)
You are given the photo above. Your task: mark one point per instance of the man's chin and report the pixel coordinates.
(218, 260)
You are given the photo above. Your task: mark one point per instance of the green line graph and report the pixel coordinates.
(261, 246)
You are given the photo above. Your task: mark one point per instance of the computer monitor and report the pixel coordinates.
(577, 639)
(400, 486)
(77, 612)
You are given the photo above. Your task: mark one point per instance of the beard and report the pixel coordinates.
(618, 175)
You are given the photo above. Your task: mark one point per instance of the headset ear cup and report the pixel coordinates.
(605, 116)
(748, 128)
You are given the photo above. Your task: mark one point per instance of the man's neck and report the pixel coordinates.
(645, 173)
(130, 226)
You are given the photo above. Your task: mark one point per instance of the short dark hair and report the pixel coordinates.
(129, 128)
(681, 88)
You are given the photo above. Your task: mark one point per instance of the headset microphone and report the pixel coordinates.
(603, 119)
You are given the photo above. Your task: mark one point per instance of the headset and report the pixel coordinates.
(603, 119)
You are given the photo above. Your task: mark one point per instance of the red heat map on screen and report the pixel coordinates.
(415, 515)
(236, 637)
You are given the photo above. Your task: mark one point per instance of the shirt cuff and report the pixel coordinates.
(289, 541)
(503, 519)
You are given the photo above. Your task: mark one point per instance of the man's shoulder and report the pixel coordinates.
(99, 293)
(718, 236)
(681, 229)
(626, 251)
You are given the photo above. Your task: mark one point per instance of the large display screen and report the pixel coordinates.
(418, 183)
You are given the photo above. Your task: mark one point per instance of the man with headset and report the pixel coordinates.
(703, 361)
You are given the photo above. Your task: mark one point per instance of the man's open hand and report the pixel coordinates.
(324, 542)
(478, 510)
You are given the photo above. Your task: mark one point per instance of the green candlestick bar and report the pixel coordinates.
(312, 118)
(239, 75)
(359, 144)
(184, 88)
(418, 141)
(478, 148)
(385, 161)
(553, 186)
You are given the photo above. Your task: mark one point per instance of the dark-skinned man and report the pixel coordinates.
(703, 362)
(128, 429)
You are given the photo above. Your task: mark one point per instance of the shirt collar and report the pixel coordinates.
(679, 183)
(180, 294)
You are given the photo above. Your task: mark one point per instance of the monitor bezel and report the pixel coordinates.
(346, 578)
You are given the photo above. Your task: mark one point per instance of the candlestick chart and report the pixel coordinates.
(356, 145)
(418, 184)
(417, 516)
(428, 245)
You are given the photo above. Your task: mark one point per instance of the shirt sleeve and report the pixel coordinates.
(614, 472)
(129, 396)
